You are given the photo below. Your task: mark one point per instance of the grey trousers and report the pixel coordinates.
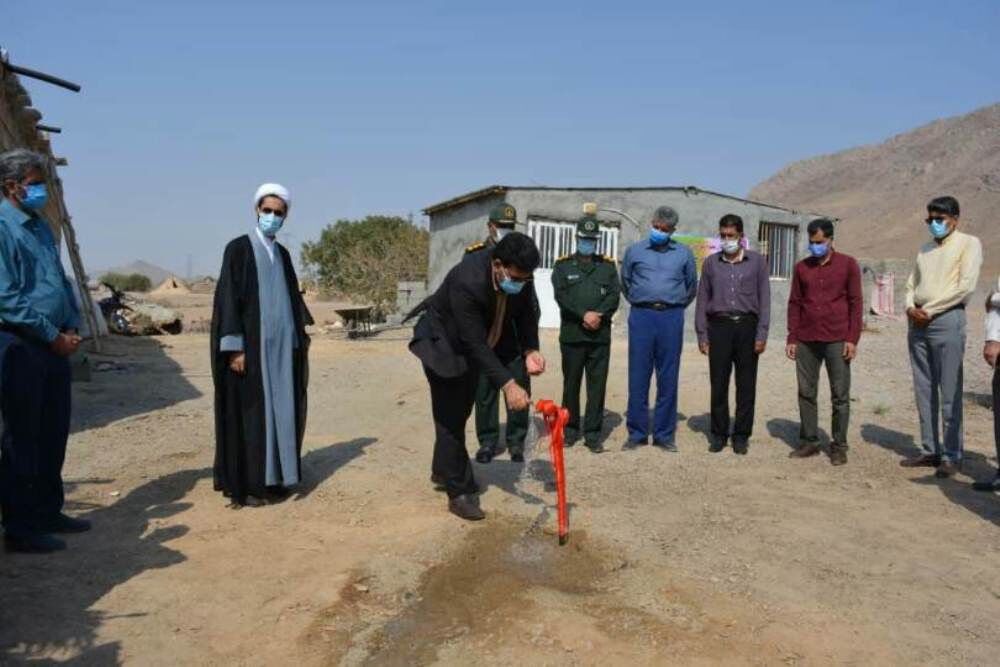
(936, 354)
(809, 358)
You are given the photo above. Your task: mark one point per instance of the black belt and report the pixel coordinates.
(732, 317)
(656, 305)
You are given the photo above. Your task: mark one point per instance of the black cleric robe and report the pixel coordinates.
(240, 415)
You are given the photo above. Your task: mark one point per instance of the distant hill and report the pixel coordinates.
(156, 274)
(880, 191)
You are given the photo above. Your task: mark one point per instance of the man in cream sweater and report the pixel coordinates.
(946, 273)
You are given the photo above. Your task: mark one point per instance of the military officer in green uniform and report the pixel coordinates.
(501, 222)
(587, 291)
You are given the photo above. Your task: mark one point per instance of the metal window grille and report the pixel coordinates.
(556, 239)
(780, 244)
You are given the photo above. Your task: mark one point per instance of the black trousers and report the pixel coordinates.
(35, 398)
(731, 346)
(451, 405)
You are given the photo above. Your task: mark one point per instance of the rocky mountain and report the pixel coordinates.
(156, 274)
(880, 191)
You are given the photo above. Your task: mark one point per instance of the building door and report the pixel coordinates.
(556, 238)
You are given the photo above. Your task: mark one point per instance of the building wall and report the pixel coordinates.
(454, 229)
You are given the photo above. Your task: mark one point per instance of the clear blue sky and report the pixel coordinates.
(386, 107)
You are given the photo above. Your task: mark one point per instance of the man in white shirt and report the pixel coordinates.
(991, 350)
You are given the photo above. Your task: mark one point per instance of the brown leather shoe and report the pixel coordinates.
(946, 469)
(922, 461)
(804, 451)
(838, 456)
(467, 507)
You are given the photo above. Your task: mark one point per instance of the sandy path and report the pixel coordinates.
(695, 557)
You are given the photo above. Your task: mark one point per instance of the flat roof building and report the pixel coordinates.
(549, 215)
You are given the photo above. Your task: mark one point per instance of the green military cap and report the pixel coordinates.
(504, 214)
(588, 228)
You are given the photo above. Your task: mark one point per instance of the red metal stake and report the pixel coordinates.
(555, 422)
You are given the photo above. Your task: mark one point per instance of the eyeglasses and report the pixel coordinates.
(267, 210)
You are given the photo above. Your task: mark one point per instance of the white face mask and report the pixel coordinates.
(730, 246)
(502, 232)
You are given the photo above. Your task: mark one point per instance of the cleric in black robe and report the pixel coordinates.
(482, 317)
(259, 361)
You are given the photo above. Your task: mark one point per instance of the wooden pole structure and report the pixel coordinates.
(73, 249)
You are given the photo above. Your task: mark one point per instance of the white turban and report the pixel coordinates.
(272, 190)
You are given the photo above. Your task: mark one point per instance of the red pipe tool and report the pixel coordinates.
(555, 422)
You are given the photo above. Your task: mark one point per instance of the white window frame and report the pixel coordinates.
(779, 242)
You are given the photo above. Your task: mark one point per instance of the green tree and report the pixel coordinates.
(365, 259)
(135, 282)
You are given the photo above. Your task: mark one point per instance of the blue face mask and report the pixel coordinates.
(269, 223)
(35, 196)
(657, 237)
(511, 286)
(819, 249)
(586, 246)
(938, 228)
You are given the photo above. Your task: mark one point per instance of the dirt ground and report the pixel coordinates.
(687, 558)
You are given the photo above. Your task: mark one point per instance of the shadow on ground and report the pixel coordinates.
(975, 465)
(787, 431)
(138, 378)
(318, 465)
(48, 599)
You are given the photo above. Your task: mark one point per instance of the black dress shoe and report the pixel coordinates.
(717, 445)
(741, 446)
(466, 507)
(666, 446)
(635, 444)
(596, 448)
(838, 455)
(33, 544)
(517, 455)
(66, 524)
(988, 485)
(485, 454)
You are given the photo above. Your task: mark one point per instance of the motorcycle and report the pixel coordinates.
(116, 312)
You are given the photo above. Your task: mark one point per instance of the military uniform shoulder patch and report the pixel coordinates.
(564, 257)
(475, 246)
(608, 258)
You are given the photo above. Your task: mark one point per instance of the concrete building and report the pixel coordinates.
(548, 215)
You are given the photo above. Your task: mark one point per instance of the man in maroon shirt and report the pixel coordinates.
(824, 326)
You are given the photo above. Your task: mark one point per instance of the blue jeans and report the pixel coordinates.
(655, 341)
(35, 397)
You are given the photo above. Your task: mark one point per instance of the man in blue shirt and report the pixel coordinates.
(39, 320)
(659, 279)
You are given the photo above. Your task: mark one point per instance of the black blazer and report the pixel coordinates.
(450, 336)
